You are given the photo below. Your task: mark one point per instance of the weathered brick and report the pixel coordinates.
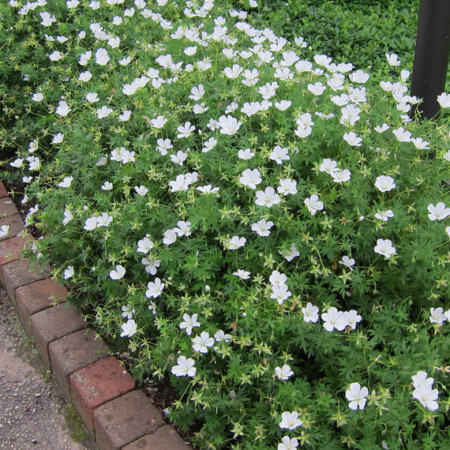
(37, 296)
(15, 223)
(19, 273)
(10, 250)
(125, 419)
(3, 191)
(164, 438)
(73, 352)
(54, 323)
(7, 207)
(97, 384)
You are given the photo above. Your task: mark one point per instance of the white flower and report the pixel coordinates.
(277, 278)
(233, 72)
(359, 76)
(341, 176)
(90, 224)
(250, 178)
(179, 157)
(382, 128)
(103, 112)
(185, 130)
(202, 342)
(427, 397)
(209, 145)
(170, 236)
(208, 189)
(288, 444)
(402, 135)
(392, 59)
(58, 138)
(310, 313)
(384, 247)
(104, 220)
(283, 373)
(197, 92)
(85, 76)
(67, 217)
(17, 163)
(347, 262)
(151, 265)
(92, 97)
(68, 272)
(444, 100)
(438, 212)
(144, 245)
(279, 154)
(66, 182)
(189, 323)
(245, 154)
(220, 336)
(37, 97)
(184, 368)
(236, 242)
(283, 105)
(262, 228)
(129, 328)
(127, 312)
(316, 88)
(287, 186)
(229, 125)
(437, 316)
(353, 139)
(62, 109)
(4, 230)
(101, 57)
(420, 380)
(384, 215)
(384, 183)
(184, 228)
(242, 274)
(154, 288)
(290, 420)
(267, 198)
(290, 254)
(118, 273)
(106, 186)
(328, 165)
(159, 122)
(280, 293)
(334, 319)
(356, 395)
(313, 204)
(352, 318)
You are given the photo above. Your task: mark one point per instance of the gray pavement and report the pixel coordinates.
(33, 412)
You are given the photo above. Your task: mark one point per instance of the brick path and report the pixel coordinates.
(115, 413)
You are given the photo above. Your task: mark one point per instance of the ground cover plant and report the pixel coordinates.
(260, 225)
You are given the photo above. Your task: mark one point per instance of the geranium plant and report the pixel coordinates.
(261, 226)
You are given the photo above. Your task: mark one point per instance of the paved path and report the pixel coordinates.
(32, 410)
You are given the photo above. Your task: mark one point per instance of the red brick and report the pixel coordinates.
(125, 419)
(54, 323)
(97, 384)
(73, 352)
(19, 273)
(37, 296)
(3, 191)
(164, 438)
(7, 207)
(11, 249)
(15, 223)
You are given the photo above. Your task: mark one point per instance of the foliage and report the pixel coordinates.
(261, 225)
(357, 31)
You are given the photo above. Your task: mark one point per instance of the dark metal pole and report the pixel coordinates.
(431, 56)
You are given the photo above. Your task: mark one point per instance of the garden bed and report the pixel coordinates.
(260, 225)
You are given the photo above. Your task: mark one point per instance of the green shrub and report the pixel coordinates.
(275, 246)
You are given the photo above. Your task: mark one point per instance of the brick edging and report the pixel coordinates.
(115, 413)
